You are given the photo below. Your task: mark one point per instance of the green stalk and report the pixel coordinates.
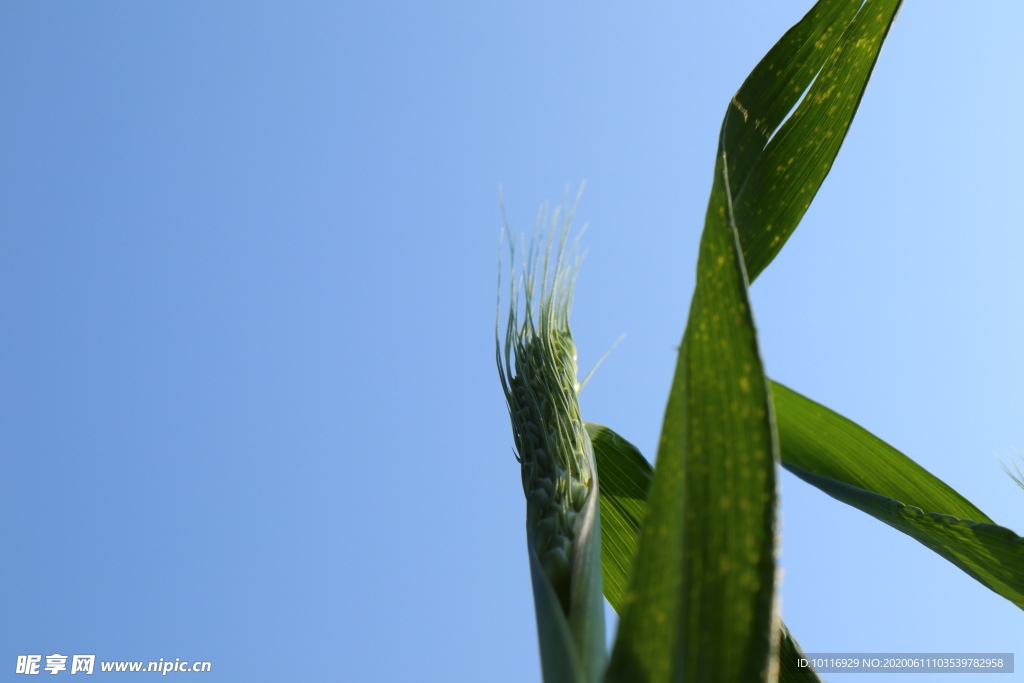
(537, 367)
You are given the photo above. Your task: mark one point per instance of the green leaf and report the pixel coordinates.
(586, 608)
(856, 467)
(818, 440)
(777, 164)
(777, 161)
(700, 602)
(558, 657)
(789, 654)
(625, 477)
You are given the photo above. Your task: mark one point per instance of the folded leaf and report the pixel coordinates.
(777, 164)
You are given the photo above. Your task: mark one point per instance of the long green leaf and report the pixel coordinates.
(777, 164)
(821, 441)
(700, 602)
(856, 467)
(699, 605)
(847, 462)
(625, 477)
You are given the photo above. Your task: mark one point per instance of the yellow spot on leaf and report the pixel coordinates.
(743, 110)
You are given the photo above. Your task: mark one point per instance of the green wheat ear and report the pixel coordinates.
(537, 367)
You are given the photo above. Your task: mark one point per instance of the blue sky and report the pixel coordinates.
(249, 409)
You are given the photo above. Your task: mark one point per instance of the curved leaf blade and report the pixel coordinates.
(819, 440)
(777, 164)
(852, 465)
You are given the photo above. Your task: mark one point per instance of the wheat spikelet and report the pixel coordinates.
(537, 366)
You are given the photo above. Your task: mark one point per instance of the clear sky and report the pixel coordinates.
(249, 412)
